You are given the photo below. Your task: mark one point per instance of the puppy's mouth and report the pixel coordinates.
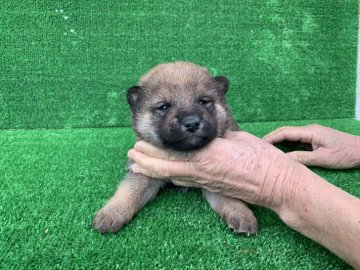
(189, 143)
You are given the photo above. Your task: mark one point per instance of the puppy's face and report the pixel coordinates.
(179, 106)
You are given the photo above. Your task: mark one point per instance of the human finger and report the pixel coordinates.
(307, 158)
(179, 181)
(159, 168)
(302, 134)
(135, 168)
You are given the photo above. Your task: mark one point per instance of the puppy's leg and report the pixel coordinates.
(234, 212)
(132, 194)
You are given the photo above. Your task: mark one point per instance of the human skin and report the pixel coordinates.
(332, 149)
(251, 169)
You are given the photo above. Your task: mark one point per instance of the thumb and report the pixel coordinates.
(306, 158)
(158, 168)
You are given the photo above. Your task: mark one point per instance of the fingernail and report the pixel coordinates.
(131, 153)
(135, 168)
(138, 145)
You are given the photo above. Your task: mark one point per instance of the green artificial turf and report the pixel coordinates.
(68, 63)
(53, 181)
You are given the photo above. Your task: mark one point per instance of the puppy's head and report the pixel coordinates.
(179, 106)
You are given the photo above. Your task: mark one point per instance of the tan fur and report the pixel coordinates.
(179, 83)
(172, 72)
(144, 121)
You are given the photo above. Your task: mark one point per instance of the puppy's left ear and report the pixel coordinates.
(222, 84)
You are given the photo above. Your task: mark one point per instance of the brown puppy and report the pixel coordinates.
(179, 107)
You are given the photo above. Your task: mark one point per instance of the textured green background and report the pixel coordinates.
(53, 181)
(69, 63)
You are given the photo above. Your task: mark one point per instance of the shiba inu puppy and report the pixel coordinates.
(180, 108)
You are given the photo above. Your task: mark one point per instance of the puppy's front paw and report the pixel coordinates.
(242, 221)
(234, 212)
(110, 219)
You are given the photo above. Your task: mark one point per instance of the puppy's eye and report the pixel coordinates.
(163, 107)
(204, 101)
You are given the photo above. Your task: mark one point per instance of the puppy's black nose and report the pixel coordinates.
(191, 123)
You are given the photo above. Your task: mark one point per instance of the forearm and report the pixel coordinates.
(326, 214)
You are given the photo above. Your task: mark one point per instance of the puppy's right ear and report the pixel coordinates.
(222, 84)
(133, 96)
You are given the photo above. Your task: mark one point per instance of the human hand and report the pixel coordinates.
(331, 148)
(241, 166)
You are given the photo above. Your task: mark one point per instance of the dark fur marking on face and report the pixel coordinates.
(222, 83)
(133, 95)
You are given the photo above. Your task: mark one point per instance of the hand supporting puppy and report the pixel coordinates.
(241, 166)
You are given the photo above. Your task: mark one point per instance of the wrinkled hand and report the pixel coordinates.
(241, 166)
(331, 148)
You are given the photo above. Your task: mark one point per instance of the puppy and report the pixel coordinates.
(178, 107)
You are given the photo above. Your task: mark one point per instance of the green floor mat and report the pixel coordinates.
(53, 181)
